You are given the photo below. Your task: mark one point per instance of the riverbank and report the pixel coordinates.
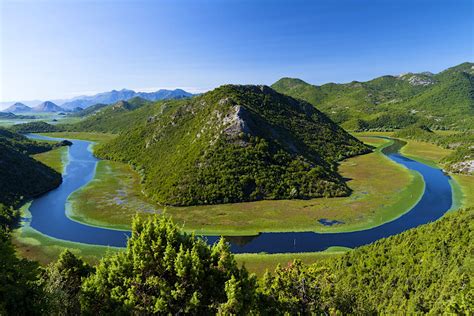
(114, 197)
(258, 261)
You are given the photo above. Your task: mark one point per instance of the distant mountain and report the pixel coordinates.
(124, 95)
(7, 115)
(18, 108)
(48, 106)
(443, 100)
(233, 144)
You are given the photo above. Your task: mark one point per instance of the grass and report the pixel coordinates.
(56, 158)
(427, 153)
(33, 245)
(464, 190)
(431, 154)
(114, 193)
(259, 263)
(373, 202)
(93, 137)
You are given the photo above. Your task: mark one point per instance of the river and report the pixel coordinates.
(48, 212)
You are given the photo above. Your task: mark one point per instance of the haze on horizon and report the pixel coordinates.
(53, 50)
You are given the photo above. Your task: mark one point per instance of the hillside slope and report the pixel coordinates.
(427, 269)
(110, 118)
(18, 108)
(235, 143)
(23, 177)
(443, 100)
(47, 106)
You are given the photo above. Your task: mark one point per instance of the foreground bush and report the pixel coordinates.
(165, 271)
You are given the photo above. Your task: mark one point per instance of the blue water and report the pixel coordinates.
(49, 214)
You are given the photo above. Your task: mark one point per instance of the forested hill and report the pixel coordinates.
(443, 100)
(111, 118)
(235, 143)
(23, 177)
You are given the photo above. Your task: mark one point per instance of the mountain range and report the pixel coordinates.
(124, 95)
(109, 97)
(442, 101)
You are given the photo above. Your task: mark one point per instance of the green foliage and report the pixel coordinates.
(301, 290)
(111, 118)
(444, 100)
(18, 170)
(20, 293)
(8, 216)
(164, 271)
(424, 270)
(235, 143)
(89, 110)
(62, 281)
(35, 127)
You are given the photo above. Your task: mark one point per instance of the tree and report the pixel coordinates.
(20, 293)
(62, 281)
(300, 289)
(166, 271)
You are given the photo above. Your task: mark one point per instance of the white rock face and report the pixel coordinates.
(466, 167)
(417, 80)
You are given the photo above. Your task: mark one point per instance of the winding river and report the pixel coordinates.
(48, 212)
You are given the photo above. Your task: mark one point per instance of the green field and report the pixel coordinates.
(93, 137)
(372, 202)
(259, 263)
(51, 118)
(113, 196)
(427, 153)
(56, 158)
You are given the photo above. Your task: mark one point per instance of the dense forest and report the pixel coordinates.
(35, 127)
(22, 177)
(441, 101)
(235, 143)
(165, 271)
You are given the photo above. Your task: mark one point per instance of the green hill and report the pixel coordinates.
(443, 100)
(425, 270)
(110, 118)
(35, 127)
(23, 177)
(235, 143)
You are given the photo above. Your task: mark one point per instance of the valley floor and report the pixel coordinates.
(114, 196)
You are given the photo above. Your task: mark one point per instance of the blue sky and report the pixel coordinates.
(58, 49)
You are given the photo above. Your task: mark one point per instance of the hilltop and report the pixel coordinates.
(18, 108)
(47, 106)
(110, 118)
(443, 100)
(235, 143)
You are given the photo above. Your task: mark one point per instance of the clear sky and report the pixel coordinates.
(57, 49)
